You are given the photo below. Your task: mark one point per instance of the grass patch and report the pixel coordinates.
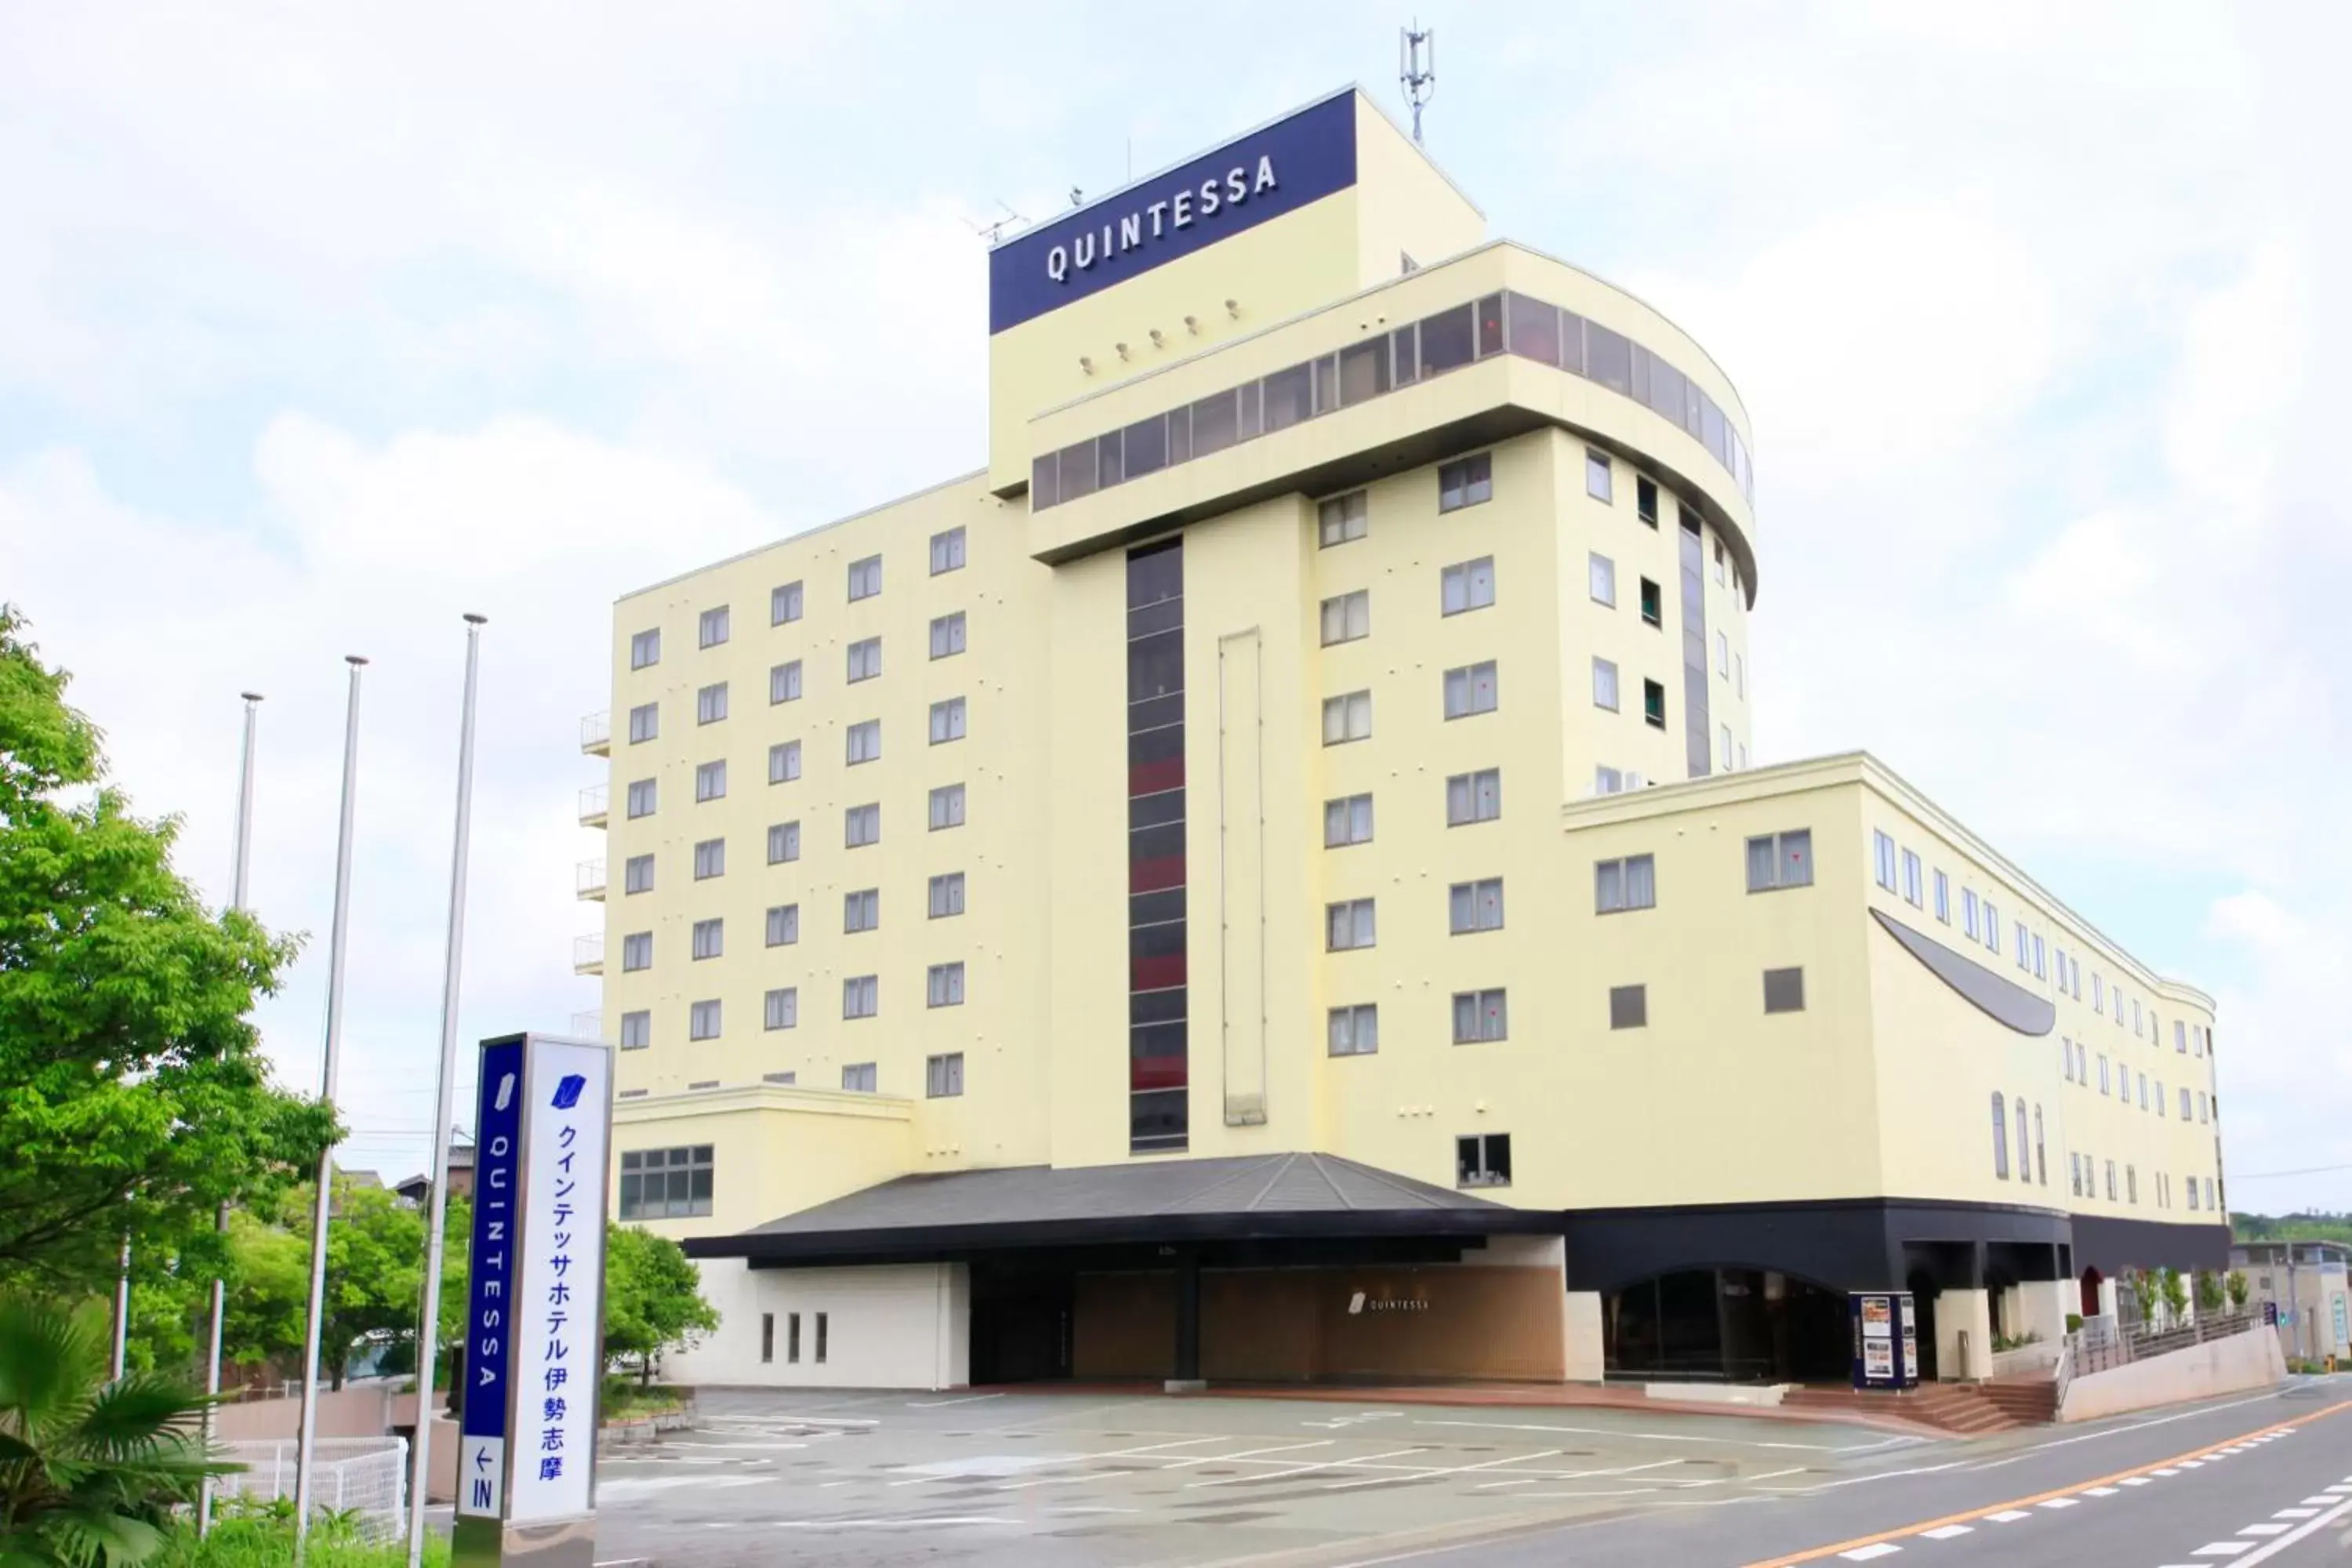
(262, 1536)
(626, 1400)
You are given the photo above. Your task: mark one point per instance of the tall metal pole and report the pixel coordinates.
(242, 866)
(121, 1311)
(314, 1323)
(438, 1197)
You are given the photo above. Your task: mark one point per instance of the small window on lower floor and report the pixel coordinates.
(1354, 1031)
(638, 1033)
(1482, 1160)
(1628, 1006)
(1784, 991)
(858, 1077)
(767, 1336)
(944, 1076)
(1481, 1015)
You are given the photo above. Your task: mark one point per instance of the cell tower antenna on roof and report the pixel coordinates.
(993, 232)
(1417, 69)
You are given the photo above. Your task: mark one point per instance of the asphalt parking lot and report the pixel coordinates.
(1067, 1478)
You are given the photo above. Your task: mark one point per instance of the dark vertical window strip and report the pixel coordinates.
(1158, 1075)
(1697, 744)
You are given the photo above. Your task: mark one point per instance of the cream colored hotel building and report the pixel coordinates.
(1267, 878)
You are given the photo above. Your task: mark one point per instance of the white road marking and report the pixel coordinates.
(2222, 1547)
(941, 1404)
(2143, 1481)
(2322, 1500)
(2301, 1531)
(1300, 1469)
(2100, 1491)
(2192, 1464)
(2165, 1472)
(2265, 1529)
(2295, 1513)
(1671, 1437)
(1250, 1452)
(2007, 1516)
(2062, 1502)
(1946, 1532)
(2027, 1453)
(1864, 1553)
(753, 1448)
(1461, 1470)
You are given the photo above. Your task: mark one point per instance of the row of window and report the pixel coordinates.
(792, 1335)
(2083, 1177)
(1602, 574)
(2074, 1061)
(861, 911)
(780, 1008)
(787, 601)
(1899, 871)
(1465, 586)
(2032, 1166)
(861, 826)
(785, 683)
(1497, 324)
(1481, 1017)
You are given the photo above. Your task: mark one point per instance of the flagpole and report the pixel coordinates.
(314, 1323)
(438, 1196)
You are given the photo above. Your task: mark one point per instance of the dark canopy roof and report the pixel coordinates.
(1248, 1196)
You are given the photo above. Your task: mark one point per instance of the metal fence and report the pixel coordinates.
(2091, 1349)
(365, 1477)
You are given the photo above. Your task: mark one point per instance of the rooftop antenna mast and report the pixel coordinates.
(993, 232)
(1417, 69)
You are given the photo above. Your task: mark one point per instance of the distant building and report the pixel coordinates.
(2306, 1281)
(417, 1188)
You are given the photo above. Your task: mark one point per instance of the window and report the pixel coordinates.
(1607, 780)
(1604, 685)
(1470, 690)
(1481, 1015)
(2040, 959)
(1475, 906)
(865, 578)
(1596, 480)
(2000, 1137)
(820, 1337)
(2192, 1203)
(1912, 890)
(1349, 924)
(667, 1184)
(2025, 946)
(644, 649)
(860, 1077)
(1739, 676)
(785, 604)
(864, 742)
(1631, 883)
(865, 659)
(781, 1008)
(2184, 1105)
(1645, 497)
(767, 1336)
(637, 874)
(1468, 587)
(946, 721)
(1354, 1031)
(2099, 989)
(1473, 797)
(2131, 1183)
(2163, 1104)
(2104, 1086)
(1604, 580)
(1466, 483)
(947, 551)
(638, 951)
(1347, 617)
(947, 807)
(1653, 703)
(711, 781)
(1722, 656)
(943, 985)
(1347, 718)
(1483, 1159)
(943, 1074)
(702, 1020)
(1628, 1006)
(2143, 1091)
(711, 703)
(860, 996)
(1991, 926)
(713, 628)
(710, 859)
(947, 635)
(1784, 991)
(644, 723)
(1654, 603)
(643, 795)
(862, 824)
(1347, 820)
(862, 909)
(1781, 860)
(709, 938)
(1718, 563)
(783, 842)
(784, 682)
(783, 761)
(1883, 853)
(2074, 1174)
(1341, 518)
(1968, 911)
(784, 925)
(947, 895)
(636, 1030)
(2024, 1162)
(2135, 1016)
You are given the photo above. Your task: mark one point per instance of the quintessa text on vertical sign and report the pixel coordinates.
(534, 1333)
(1262, 175)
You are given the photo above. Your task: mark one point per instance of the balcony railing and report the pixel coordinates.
(588, 954)
(596, 734)
(592, 879)
(593, 802)
(588, 1026)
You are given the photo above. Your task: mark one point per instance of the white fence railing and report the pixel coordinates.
(366, 1476)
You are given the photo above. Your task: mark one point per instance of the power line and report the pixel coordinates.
(2306, 1171)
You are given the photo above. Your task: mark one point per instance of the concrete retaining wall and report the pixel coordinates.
(2242, 1361)
(355, 1410)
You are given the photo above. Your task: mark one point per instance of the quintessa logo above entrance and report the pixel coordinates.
(1360, 1303)
(1276, 169)
(1171, 215)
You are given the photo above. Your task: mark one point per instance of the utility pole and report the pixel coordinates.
(321, 1216)
(438, 1197)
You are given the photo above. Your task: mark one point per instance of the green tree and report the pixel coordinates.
(134, 1099)
(653, 1298)
(269, 1288)
(2208, 1292)
(2238, 1290)
(2174, 1291)
(90, 1470)
(2144, 1292)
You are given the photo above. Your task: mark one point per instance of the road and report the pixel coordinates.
(1046, 1481)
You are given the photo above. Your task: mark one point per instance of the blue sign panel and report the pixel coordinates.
(488, 1340)
(1262, 175)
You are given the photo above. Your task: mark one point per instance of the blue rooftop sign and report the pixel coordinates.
(1276, 169)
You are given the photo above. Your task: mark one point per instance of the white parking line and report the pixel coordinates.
(1300, 1469)
(1672, 1437)
(941, 1404)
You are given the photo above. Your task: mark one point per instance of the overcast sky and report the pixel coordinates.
(321, 326)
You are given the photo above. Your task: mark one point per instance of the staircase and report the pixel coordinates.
(1963, 1409)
